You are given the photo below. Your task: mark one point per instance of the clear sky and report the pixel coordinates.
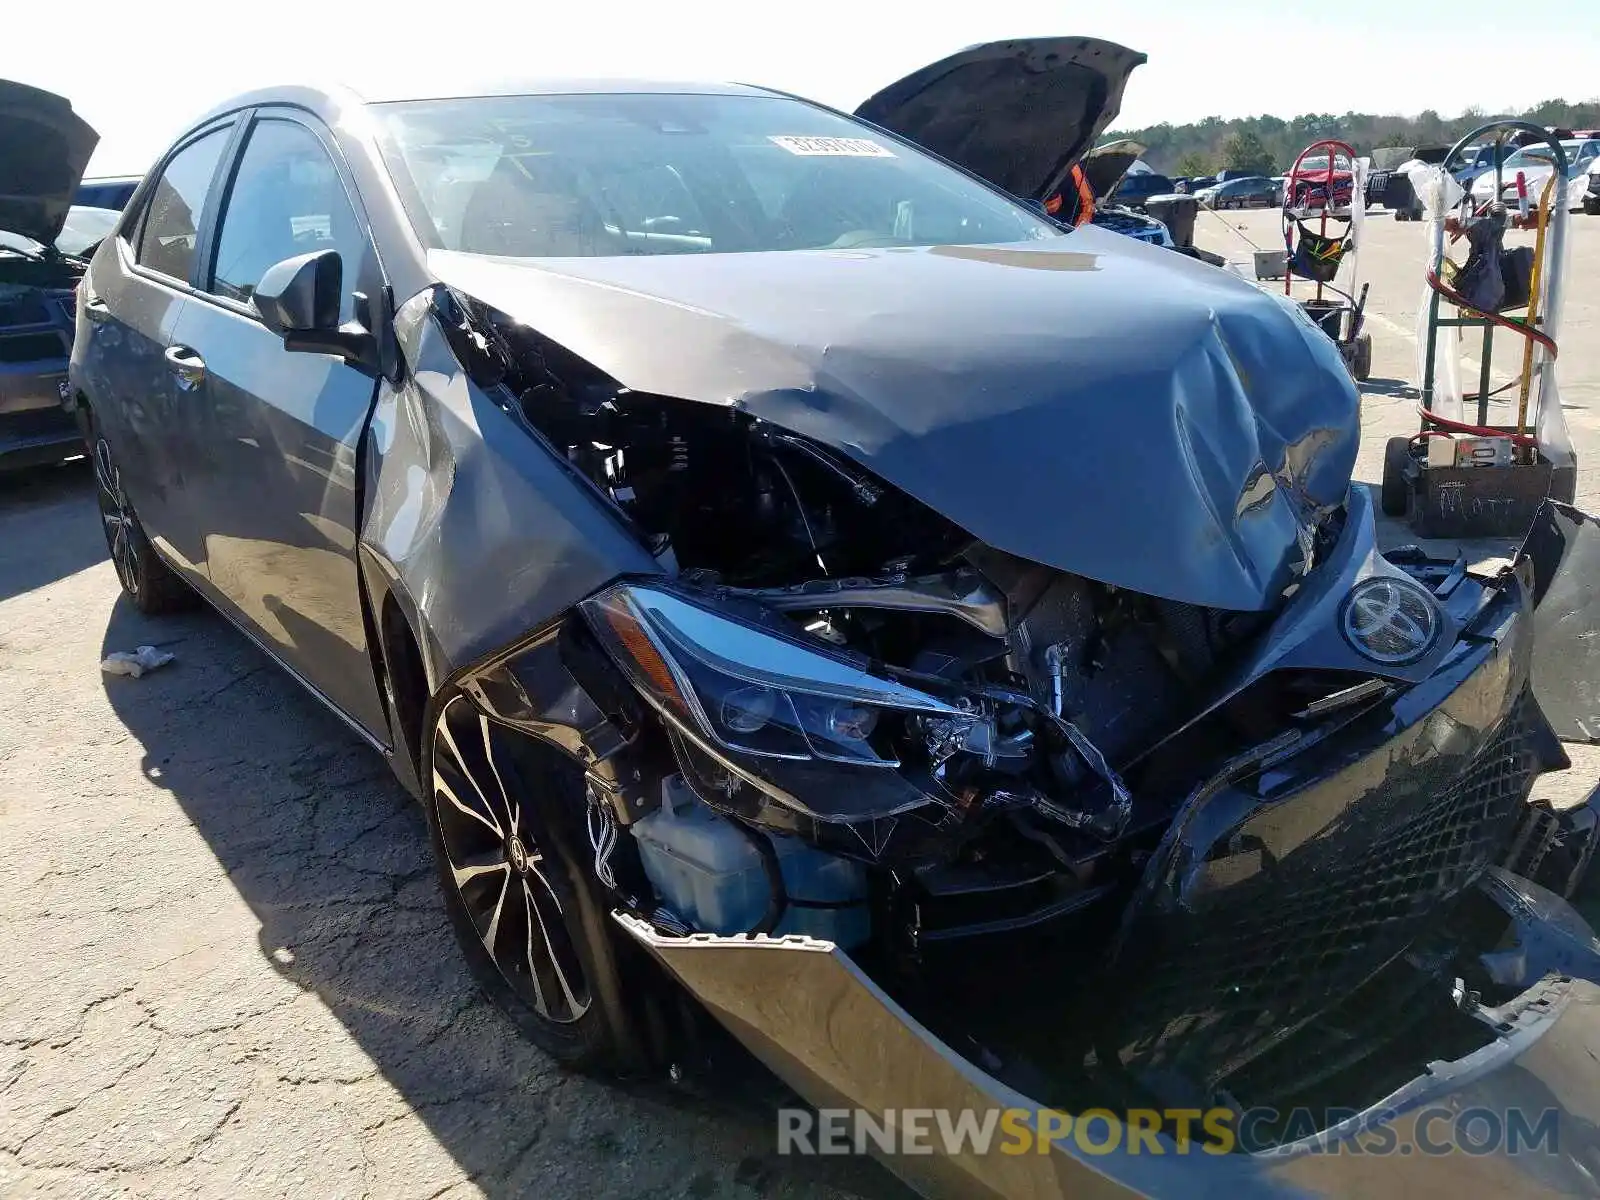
(139, 71)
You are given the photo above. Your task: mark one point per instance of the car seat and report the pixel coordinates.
(513, 213)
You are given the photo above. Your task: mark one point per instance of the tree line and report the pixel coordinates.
(1267, 145)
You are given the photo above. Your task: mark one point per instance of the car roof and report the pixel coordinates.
(327, 97)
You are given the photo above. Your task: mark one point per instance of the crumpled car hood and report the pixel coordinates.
(44, 147)
(1087, 402)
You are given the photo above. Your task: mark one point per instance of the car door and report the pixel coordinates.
(132, 301)
(278, 484)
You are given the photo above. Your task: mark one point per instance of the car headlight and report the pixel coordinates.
(795, 721)
(1390, 619)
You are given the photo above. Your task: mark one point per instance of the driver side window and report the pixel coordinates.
(286, 200)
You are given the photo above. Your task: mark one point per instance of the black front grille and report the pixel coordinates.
(32, 347)
(1243, 980)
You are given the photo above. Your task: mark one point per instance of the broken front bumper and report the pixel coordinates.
(1519, 1117)
(1391, 820)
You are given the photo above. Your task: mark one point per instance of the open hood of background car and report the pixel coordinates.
(1086, 402)
(1104, 166)
(1017, 113)
(44, 147)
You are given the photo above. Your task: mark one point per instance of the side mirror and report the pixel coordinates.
(299, 300)
(302, 294)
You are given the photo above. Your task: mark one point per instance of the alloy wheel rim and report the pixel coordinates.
(499, 871)
(117, 517)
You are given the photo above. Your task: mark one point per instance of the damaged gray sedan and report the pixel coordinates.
(807, 586)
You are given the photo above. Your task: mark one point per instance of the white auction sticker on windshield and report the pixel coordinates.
(836, 146)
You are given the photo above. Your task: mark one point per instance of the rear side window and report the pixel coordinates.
(286, 200)
(172, 220)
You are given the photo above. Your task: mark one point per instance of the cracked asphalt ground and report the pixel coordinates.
(224, 968)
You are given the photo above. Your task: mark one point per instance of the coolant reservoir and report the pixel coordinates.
(708, 873)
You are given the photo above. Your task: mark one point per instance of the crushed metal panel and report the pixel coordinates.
(819, 1022)
(814, 1018)
(483, 531)
(1098, 393)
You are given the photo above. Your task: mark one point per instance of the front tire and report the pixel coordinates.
(1591, 205)
(154, 587)
(529, 918)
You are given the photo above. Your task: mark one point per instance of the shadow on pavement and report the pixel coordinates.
(1377, 386)
(333, 858)
(49, 525)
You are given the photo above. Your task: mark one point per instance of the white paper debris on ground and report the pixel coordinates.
(135, 662)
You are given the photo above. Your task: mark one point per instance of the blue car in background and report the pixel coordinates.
(107, 191)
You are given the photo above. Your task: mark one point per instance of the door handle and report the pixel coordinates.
(188, 366)
(96, 309)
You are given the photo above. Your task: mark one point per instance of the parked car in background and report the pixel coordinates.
(1397, 194)
(107, 191)
(1308, 183)
(1384, 161)
(1535, 164)
(1137, 187)
(1474, 161)
(1105, 169)
(1253, 191)
(42, 240)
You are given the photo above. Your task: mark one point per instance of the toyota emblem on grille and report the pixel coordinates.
(1390, 620)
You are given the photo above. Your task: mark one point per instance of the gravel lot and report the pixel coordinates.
(225, 970)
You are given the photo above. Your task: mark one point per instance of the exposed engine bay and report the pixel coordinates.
(36, 293)
(1008, 800)
(1056, 682)
(872, 728)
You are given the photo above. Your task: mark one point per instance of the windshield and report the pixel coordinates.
(1319, 162)
(83, 229)
(615, 174)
